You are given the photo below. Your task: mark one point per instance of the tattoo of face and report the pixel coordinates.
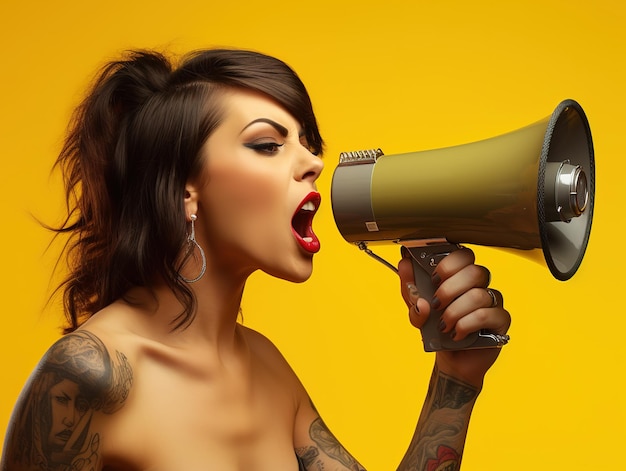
(51, 426)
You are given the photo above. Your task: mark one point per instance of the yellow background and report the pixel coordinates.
(404, 76)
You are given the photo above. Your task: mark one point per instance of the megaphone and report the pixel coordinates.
(529, 189)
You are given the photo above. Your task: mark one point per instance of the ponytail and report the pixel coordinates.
(93, 161)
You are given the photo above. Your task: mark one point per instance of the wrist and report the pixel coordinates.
(465, 378)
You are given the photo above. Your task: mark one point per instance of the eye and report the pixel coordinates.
(82, 405)
(265, 148)
(61, 399)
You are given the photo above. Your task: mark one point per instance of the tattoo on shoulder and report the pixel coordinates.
(51, 427)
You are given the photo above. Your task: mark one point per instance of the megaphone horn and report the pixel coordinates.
(528, 189)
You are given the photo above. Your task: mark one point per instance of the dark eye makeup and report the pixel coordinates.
(266, 148)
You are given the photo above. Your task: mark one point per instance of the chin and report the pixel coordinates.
(300, 279)
(298, 274)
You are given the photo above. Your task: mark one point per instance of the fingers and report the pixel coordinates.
(453, 263)
(497, 322)
(496, 297)
(468, 304)
(462, 294)
(475, 310)
(455, 275)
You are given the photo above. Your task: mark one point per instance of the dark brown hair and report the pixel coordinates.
(132, 145)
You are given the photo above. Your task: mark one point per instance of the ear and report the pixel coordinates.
(191, 200)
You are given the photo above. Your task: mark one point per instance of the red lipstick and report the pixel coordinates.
(302, 222)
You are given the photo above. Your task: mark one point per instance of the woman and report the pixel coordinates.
(181, 183)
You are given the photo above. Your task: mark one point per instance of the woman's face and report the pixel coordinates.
(67, 407)
(258, 193)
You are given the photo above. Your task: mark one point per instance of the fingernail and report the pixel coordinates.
(442, 325)
(413, 291)
(436, 279)
(453, 334)
(414, 295)
(436, 304)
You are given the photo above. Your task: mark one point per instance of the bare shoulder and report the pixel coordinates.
(258, 341)
(268, 353)
(53, 424)
(262, 345)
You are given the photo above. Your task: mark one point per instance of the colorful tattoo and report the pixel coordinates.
(437, 444)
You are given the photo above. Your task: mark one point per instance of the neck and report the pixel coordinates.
(218, 300)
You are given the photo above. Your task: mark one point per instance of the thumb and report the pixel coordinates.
(419, 308)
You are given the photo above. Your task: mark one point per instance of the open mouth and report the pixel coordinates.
(302, 223)
(65, 435)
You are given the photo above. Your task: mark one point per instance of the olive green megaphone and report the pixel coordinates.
(532, 188)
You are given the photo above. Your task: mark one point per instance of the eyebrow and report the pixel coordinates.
(282, 130)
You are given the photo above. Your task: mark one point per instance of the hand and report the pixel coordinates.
(468, 307)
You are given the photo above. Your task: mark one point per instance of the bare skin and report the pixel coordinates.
(131, 394)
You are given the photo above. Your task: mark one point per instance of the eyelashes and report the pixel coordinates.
(265, 148)
(272, 148)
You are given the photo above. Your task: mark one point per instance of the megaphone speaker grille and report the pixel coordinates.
(566, 189)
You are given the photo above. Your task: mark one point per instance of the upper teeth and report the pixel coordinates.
(308, 206)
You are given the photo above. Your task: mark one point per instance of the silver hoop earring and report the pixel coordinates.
(191, 240)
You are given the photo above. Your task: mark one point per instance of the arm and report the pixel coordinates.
(52, 426)
(317, 448)
(440, 434)
(437, 443)
(457, 378)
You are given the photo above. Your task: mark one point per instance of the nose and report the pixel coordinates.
(69, 418)
(311, 167)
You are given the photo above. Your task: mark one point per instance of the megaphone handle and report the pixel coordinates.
(425, 259)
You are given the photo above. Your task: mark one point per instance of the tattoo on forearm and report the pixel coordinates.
(51, 429)
(451, 393)
(440, 434)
